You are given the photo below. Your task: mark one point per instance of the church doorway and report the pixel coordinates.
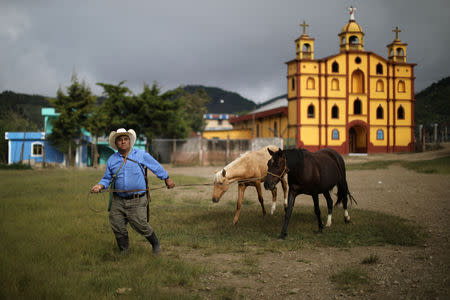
(357, 139)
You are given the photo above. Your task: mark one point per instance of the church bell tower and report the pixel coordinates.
(305, 44)
(351, 37)
(397, 49)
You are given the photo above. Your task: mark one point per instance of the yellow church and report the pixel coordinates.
(355, 101)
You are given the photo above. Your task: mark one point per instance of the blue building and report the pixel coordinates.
(33, 148)
(30, 147)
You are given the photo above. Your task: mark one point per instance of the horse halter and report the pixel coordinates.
(285, 171)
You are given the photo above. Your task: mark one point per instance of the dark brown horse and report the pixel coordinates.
(311, 174)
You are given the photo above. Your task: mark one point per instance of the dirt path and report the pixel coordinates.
(402, 272)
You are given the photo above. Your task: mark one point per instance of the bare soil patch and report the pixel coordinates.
(421, 272)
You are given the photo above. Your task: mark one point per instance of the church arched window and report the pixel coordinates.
(334, 84)
(306, 48)
(400, 52)
(310, 84)
(335, 134)
(311, 111)
(380, 85)
(380, 134)
(293, 84)
(353, 40)
(357, 107)
(275, 129)
(358, 82)
(401, 113)
(379, 68)
(401, 86)
(380, 112)
(335, 67)
(335, 112)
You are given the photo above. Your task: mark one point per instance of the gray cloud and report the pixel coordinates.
(236, 45)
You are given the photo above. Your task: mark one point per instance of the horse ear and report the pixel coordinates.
(279, 150)
(224, 172)
(270, 152)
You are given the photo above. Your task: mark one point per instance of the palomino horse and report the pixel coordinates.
(250, 169)
(311, 174)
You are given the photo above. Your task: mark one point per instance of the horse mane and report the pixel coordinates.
(295, 158)
(241, 159)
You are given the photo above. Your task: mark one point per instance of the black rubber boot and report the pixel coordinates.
(155, 243)
(123, 243)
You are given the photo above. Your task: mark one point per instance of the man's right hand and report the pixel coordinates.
(96, 188)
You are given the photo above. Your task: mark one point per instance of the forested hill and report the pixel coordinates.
(28, 106)
(232, 103)
(433, 104)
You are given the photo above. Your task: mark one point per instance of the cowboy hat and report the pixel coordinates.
(121, 131)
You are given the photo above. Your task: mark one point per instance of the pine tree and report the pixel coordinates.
(74, 110)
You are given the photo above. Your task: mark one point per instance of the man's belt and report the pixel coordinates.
(132, 196)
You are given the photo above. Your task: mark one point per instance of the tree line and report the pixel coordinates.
(151, 113)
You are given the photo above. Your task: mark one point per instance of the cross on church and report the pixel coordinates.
(396, 30)
(304, 25)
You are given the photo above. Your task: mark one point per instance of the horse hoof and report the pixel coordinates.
(282, 237)
(347, 220)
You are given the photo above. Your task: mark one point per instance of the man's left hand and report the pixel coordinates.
(169, 183)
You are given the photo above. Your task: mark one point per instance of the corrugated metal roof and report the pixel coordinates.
(282, 102)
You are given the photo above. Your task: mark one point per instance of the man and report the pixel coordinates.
(125, 169)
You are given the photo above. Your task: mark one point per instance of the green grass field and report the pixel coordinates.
(54, 246)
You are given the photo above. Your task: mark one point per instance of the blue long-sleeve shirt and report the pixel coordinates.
(130, 176)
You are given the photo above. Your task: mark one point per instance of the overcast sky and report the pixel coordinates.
(236, 45)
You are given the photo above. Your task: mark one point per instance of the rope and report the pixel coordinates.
(158, 188)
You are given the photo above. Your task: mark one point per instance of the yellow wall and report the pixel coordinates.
(310, 135)
(267, 126)
(342, 135)
(234, 134)
(403, 136)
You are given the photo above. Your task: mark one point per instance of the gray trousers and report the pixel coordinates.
(133, 211)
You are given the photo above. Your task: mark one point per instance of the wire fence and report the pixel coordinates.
(200, 151)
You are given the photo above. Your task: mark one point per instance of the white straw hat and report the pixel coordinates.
(121, 131)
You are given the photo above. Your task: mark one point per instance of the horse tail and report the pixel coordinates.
(344, 194)
(352, 199)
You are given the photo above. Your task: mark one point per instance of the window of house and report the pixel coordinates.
(335, 112)
(275, 129)
(311, 111)
(357, 107)
(335, 134)
(401, 113)
(380, 134)
(36, 149)
(379, 68)
(335, 67)
(380, 112)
